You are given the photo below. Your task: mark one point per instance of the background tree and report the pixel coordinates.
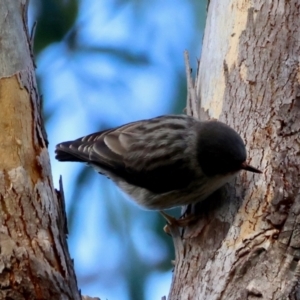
(246, 245)
(34, 258)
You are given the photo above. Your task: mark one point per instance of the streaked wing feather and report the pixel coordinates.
(149, 153)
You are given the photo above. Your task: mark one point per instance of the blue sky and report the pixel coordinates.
(127, 65)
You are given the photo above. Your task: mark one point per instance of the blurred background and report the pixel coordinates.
(100, 64)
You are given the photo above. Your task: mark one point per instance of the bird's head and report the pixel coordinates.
(221, 150)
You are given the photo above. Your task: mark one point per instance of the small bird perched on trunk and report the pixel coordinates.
(163, 162)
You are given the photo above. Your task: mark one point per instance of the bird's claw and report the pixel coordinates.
(182, 222)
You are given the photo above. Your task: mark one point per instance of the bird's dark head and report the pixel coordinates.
(220, 149)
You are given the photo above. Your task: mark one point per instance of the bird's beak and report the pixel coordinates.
(247, 167)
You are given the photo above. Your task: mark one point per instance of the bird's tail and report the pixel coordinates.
(65, 153)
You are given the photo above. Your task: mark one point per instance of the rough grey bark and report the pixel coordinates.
(34, 258)
(246, 242)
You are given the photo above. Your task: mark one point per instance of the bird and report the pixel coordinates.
(163, 162)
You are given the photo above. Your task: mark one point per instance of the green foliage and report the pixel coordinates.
(55, 19)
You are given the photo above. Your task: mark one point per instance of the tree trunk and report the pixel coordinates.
(246, 242)
(34, 258)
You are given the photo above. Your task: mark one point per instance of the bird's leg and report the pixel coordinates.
(185, 211)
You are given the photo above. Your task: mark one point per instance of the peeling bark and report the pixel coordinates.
(34, 258)
(246, 242)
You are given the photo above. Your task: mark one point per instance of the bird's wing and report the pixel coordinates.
(150, 154)
(103, 148)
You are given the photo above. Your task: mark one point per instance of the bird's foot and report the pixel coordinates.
(181, 222)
